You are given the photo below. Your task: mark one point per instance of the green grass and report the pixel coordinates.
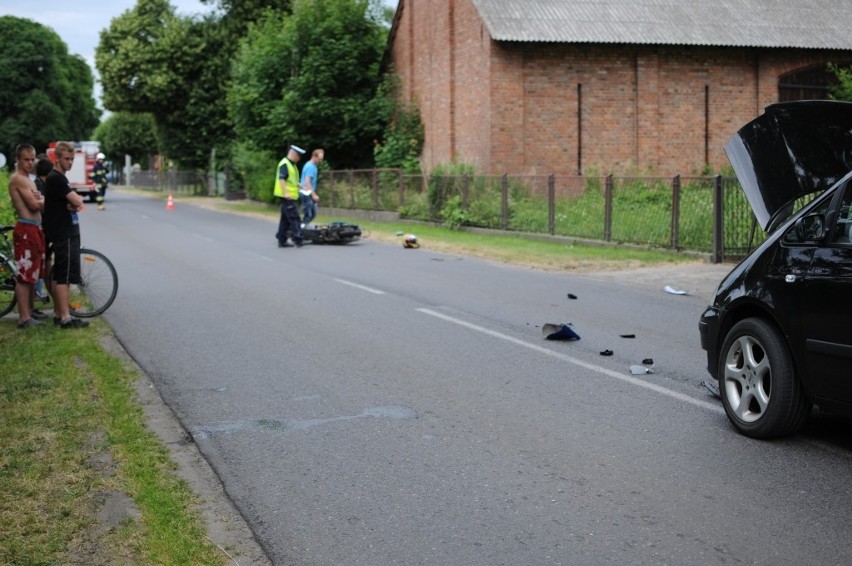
(67, 406)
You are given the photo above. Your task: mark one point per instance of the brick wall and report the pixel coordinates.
(523, 108)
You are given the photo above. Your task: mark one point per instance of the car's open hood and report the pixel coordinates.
(793, 149)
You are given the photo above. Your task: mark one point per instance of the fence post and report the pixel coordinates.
(436, 196)
(464, 189)
(608, 209)
(504, 201)
(330, 191)
(675, 235)
(401, 188)
(374, 182)
(551, 204)
(718, 221)
(351, 189)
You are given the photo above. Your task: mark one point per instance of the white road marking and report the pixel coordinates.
(362, 287)
(577, 362)
(261, 256)
(205, 238)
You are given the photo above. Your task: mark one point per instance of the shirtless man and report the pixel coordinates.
(27, 236)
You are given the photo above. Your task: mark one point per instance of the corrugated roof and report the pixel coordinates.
(814, 24)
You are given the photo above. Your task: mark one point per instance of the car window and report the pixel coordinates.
(843, 234)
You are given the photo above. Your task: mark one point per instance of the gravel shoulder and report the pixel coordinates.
(695, 278)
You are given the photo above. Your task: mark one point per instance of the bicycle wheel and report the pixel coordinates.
(7, 286)
(99, 287)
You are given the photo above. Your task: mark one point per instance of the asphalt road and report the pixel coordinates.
(368, 404)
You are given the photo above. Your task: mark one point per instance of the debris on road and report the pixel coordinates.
(673, 291)
(559, 332)
(712, 388)
(572, 296)
(606, 352)
(627, 335)
(648, 361)
(640, 370)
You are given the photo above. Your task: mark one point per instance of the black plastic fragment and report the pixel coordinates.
(712, 388)
(559, 332)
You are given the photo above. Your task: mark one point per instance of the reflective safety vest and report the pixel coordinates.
(292, 181)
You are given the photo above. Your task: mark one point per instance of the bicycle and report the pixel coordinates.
(90, 298)
(99, 285)
(8, 273)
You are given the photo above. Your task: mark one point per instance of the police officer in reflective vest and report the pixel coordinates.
(287, 188)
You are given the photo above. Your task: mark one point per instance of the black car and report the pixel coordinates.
(778, 333)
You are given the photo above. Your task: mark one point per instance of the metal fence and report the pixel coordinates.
(188, 182)
(702, 214)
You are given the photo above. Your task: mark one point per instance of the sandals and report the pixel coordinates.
(71, 323)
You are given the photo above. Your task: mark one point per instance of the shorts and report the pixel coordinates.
(65, 254)
(28, 240)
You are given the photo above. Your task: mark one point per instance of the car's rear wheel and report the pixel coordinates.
(757, 379)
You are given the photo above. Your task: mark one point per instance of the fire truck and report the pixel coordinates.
(85, 156)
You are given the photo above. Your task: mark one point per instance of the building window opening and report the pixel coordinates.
(812, 83)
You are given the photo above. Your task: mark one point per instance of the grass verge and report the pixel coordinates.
(73, 444)
(563, 254)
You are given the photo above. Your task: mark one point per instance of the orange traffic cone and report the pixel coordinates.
(170, 204)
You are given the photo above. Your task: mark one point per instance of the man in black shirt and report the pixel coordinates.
(62, 231)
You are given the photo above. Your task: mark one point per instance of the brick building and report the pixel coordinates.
(598, 86)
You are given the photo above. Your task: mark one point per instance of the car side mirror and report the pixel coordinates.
(810, 228)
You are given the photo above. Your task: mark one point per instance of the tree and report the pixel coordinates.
(312, 78)
(127, 133)
(403, 137)
(190, 130)
(175, 69)
(259, 76)
(47, 93)
(144, 58)
(843, 91)
(239, 14)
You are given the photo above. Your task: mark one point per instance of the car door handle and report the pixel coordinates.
(790, 278)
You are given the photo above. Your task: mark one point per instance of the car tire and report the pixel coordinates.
(760, 391)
